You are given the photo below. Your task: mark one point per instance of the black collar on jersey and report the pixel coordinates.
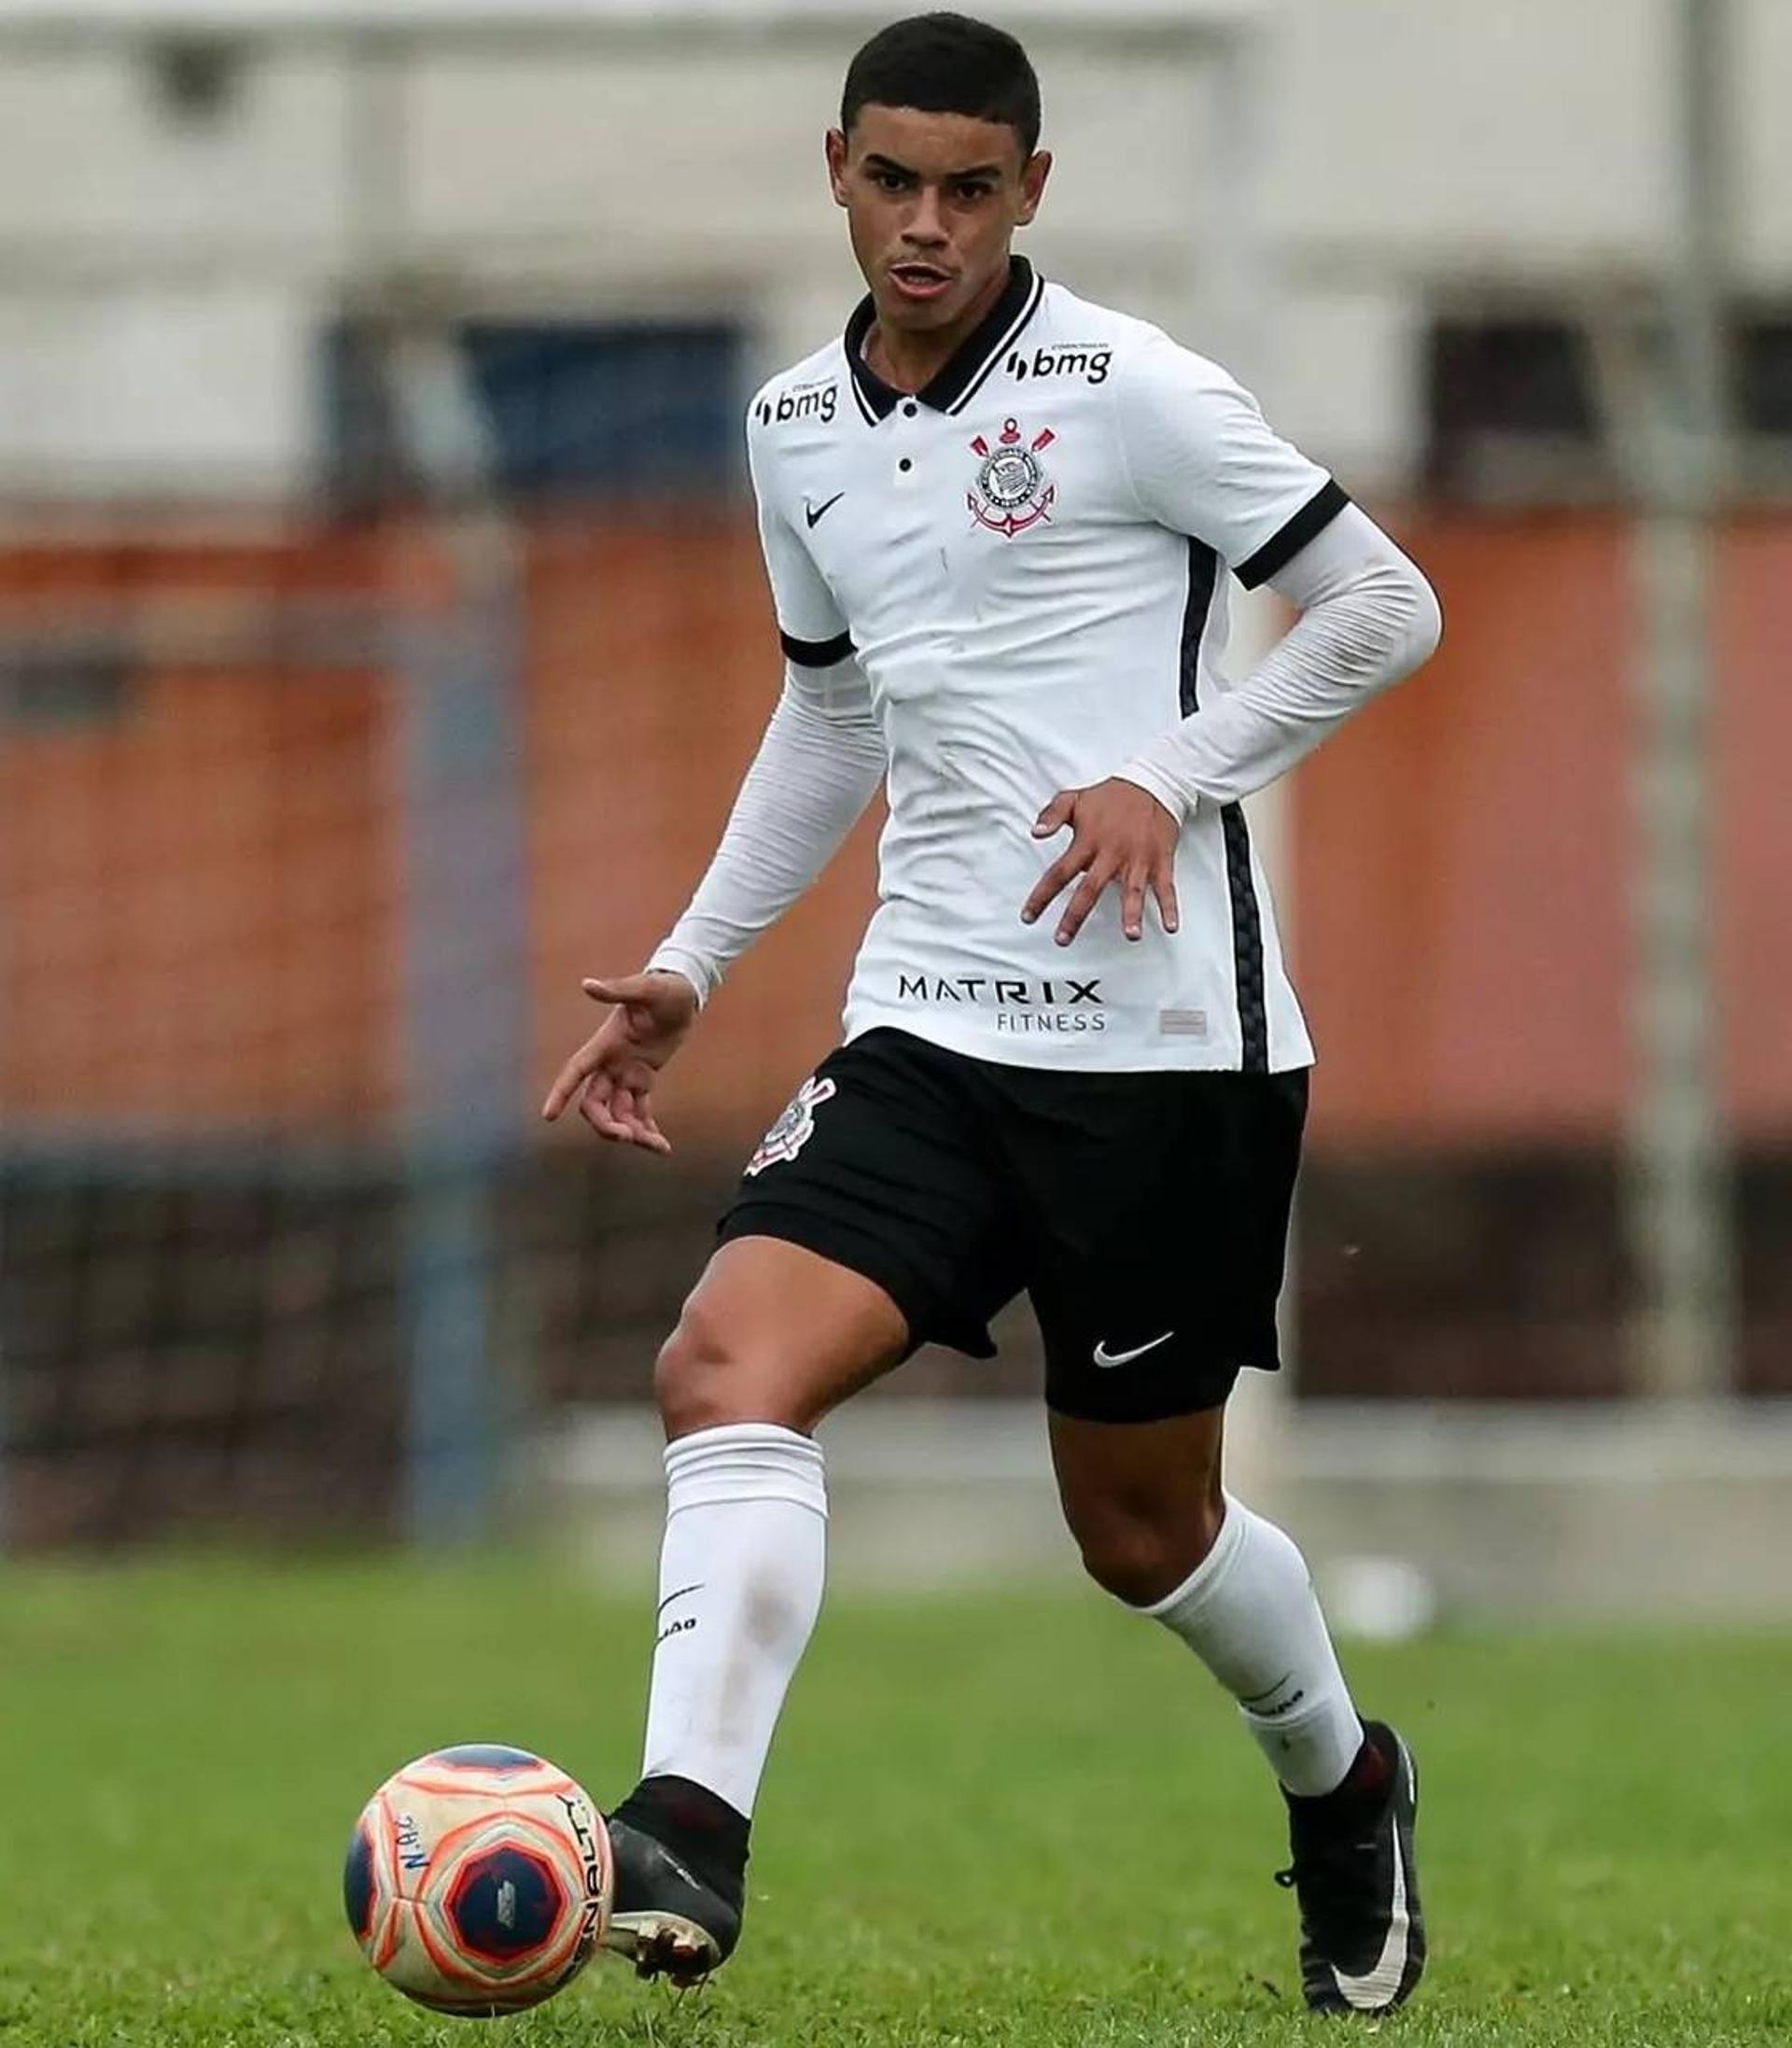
(952, 389)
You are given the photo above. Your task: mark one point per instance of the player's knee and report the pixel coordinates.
(693, 1375)
(705, 1376)
(1142, 1557)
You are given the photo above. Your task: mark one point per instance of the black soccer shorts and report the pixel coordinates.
(1145, 1214)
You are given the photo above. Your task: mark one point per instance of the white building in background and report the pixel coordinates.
(176, 236)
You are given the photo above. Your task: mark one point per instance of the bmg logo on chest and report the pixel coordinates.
(1088, 361)
(817, 401)
(1012, 491)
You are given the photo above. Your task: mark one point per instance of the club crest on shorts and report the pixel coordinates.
(1012, 491)
(793, 1128)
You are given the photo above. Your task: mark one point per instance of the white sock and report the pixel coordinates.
(1249, 1612)
(740, 1586)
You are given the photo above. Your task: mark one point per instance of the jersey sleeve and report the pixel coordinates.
(809, 623)
(1204, 461)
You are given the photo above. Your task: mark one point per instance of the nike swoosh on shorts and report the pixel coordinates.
(1103, 1356)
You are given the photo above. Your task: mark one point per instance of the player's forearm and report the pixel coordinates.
(816, 770)
(1368, 618)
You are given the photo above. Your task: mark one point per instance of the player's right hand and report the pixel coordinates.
(611, 1075)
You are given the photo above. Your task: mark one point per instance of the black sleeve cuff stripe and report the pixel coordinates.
(816, 653)
(1306, 524)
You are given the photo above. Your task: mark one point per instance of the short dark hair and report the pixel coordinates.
(946, 63)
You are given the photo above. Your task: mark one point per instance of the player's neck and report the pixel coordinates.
(910, 362)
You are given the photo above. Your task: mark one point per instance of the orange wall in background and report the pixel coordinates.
(198, 895)
(201, 901)
(1463, 895)
(1459, 899)
(1751, 729)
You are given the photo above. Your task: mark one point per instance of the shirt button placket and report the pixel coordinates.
(905, 464)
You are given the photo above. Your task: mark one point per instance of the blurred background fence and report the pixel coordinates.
(381, 637)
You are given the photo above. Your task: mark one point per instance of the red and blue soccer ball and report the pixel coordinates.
(479, 1880)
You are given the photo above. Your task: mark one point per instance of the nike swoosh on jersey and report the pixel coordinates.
(1103, 1356)
(1372, 1990)
(816, 513)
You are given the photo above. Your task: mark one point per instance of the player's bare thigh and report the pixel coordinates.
(773, 1332)
(1143, 1500)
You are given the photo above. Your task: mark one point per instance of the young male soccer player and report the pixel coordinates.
(997, 522)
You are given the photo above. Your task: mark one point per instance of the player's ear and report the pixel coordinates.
(836, 148)
(1033, 174)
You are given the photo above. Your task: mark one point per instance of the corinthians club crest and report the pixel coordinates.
(793, 1128)
(1012, 491)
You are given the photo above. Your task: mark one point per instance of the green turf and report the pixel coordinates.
(1030, 1822)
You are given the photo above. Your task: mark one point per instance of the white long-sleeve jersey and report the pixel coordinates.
(1012, 582)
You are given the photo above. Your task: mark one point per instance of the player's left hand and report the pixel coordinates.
(1119, 833)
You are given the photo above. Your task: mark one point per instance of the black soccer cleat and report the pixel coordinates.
(676, 1914)
(1361, 1930)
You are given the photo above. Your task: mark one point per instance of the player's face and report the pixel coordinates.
(931, 202)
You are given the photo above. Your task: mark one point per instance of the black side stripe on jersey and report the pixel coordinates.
(815, 653)
(1306, 524)
(1246, 921)
(1247, 941)
(1203, 573)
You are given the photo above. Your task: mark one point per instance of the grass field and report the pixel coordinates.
(1031, 1822)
